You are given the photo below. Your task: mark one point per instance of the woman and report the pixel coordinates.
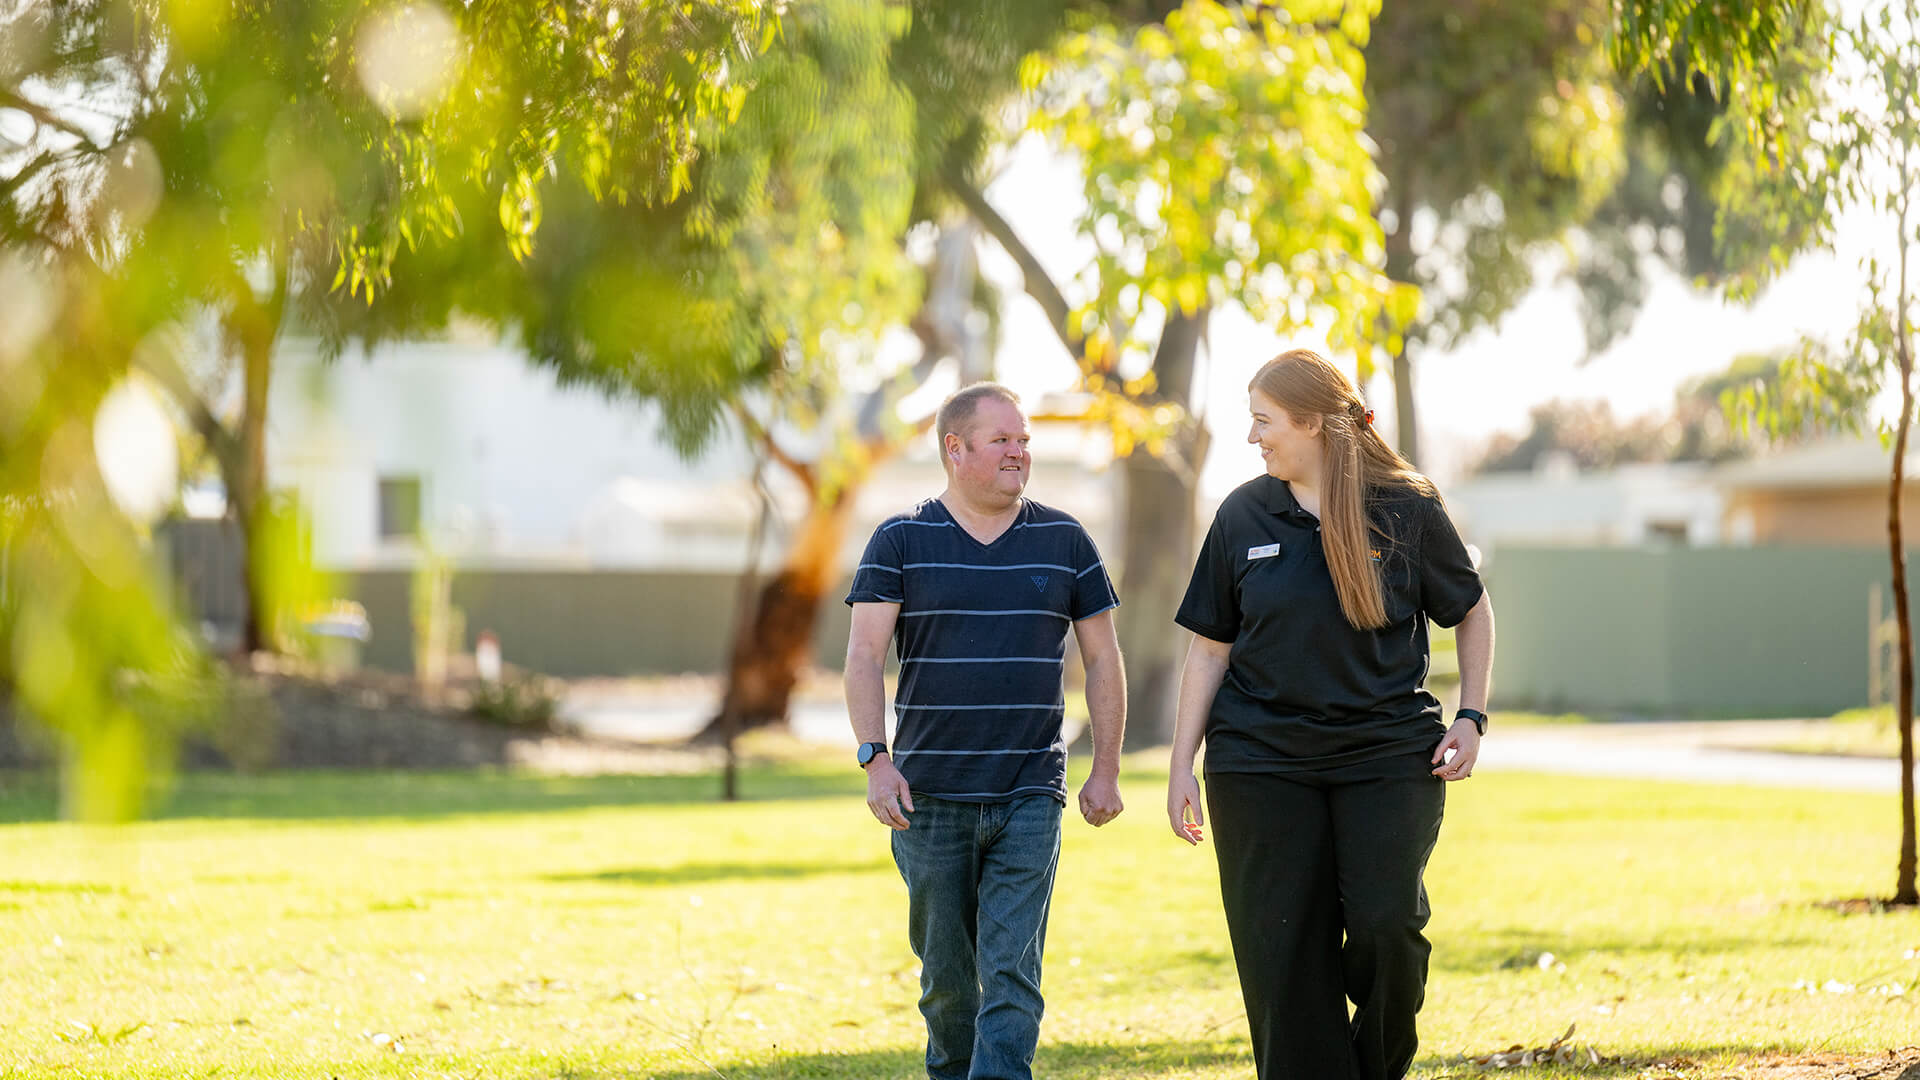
(1325, 753)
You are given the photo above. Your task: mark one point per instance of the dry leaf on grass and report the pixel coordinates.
(1560, 1051)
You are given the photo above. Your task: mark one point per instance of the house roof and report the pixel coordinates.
(1831, 463)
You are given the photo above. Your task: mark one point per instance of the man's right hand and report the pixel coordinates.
(887, 794)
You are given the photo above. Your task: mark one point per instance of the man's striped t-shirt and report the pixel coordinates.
(982, 640)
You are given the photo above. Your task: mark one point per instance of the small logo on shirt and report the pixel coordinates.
(1039, 581)
(1375, 552)
(1264, 551)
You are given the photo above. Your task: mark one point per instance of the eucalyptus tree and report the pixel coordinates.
(237, 165)
(1865, 159)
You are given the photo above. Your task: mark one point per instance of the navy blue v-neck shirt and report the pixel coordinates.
(982, 636)
(1303, 688)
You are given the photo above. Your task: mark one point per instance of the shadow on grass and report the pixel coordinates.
(1056, 1061)
(695, 873)
(294, 795)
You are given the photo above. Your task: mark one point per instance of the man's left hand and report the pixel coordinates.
(1100, 799)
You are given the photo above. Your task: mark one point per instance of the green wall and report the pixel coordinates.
(585, 622)
(1759, 631)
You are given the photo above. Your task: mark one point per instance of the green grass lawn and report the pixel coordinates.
(496, 925)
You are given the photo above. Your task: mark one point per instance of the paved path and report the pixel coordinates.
(1708, 751)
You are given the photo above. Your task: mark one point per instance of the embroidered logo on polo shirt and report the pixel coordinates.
(1264, 551)
(1039, 581)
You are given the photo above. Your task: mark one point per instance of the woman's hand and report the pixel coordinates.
(1464, 740)
(1183, 802)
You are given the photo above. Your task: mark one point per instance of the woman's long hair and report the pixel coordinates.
(1355, 461)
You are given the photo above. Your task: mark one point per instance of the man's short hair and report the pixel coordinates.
(956, 413)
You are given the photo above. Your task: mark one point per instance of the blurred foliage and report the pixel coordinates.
(528, 702)
(1865, 156)
(1868, 158)
(779, 265)
(1512, 144)
(168, 166)
(1223, 161)
(1696, 429)
(1734, 43)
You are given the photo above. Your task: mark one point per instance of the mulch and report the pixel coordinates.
(279, 715)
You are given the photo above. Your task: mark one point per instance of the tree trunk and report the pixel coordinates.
(1406, 422)
(772, 648)
(743, 609)
(1406, 418)
(1904, 891)
(254, 326)
(1157, 548)
(247, 489)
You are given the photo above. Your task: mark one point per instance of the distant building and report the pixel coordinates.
(1557, 505)
(469, 448)
(1832, 492)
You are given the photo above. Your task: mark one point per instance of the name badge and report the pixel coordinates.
(1264, 551)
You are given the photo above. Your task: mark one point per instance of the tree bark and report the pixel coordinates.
(744, 609)
(1904, 890)
(1157, 547)
(254, 327)
(773, 647)
(1904, 885)
(1406, 418)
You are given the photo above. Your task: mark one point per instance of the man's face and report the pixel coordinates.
(992, 459)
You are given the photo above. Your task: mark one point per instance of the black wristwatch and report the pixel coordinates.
(867, 751)
(1479, 718)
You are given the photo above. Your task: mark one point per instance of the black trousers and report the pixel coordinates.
(1321, 875)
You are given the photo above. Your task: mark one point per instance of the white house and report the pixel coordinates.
(467, 447)
(1558, 505)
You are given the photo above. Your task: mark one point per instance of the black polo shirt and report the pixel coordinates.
(1303, 688)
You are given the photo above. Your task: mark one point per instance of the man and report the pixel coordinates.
(977, 588)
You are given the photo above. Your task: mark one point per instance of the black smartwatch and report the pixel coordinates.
(1479, 718)
(867, 751)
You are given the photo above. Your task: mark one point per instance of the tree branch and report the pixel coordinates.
(1038, 284)
(27, 172)
(43, 115)
(758, 433)
(161, 366)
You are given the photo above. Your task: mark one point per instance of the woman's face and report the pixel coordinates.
(1290, 449)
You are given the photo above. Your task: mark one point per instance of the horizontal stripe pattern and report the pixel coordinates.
(984, 660)
(981, 637)
(985, 611)
(1009, 566)
(975, 708)
(1056, 747)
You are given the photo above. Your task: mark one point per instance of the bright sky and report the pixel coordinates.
(1486, 385)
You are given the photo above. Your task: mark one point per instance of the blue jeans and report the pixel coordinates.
(979, 880)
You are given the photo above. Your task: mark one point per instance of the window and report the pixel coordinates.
(399, 507)
(1667, 532)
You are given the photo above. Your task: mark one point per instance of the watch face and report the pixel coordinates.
(866, 752)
